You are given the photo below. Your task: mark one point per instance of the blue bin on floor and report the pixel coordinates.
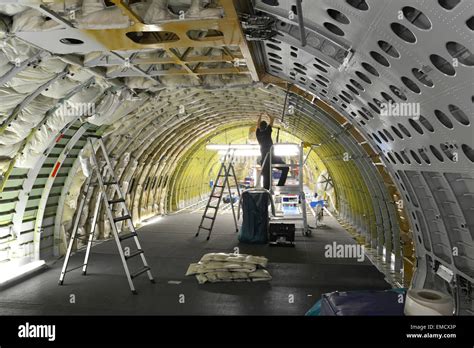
(368, 303)
(363, 303)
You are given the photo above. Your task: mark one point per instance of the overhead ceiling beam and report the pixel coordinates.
(183, 72)
(166, 60)
(229, 26)
(177, 60)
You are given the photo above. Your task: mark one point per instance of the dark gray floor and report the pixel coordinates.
(170, 246)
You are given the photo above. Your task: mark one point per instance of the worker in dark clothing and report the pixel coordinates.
(264, 137)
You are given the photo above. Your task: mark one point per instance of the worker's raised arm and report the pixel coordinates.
(259, 120)
(272, 120)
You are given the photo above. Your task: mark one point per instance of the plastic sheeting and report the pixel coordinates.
(93, 14)
(6, 153)
(49, 106)
(32, 20)
(142, 83)
(8, 100)
(85, 161)
(115, 106)
(28, 80)
(197, 10)
(108, 18)
(157, 10)
(70, 203)
(5, 65)
(15, 50)
(33, 112)
(11, 10)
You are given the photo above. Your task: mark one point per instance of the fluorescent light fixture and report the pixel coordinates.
(286, 150)
(239, 150)
(12, 271)
(242, 153)
(248, 150)
(225, 147)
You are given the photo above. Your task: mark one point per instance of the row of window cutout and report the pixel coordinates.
(456, 50)
(455, 111)
(419, 19)
(363, 6)
(420, 74)
(346, 97)
(449, 150)
(414, 16)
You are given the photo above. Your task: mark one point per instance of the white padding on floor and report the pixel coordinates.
(222, 267)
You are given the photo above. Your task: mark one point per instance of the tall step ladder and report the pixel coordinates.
(291, 189)
(220, 184)
(105, 177)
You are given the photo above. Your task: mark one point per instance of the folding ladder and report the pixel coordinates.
(105, 177)
(291, 189)
(221, 182)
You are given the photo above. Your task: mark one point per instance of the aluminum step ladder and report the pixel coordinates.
(291, 189)
(220, 184)
(105, 177)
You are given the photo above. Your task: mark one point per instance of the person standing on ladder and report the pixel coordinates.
(264, 138)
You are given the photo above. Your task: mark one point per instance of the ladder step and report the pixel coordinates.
(93, 136)
(208, 217)
(137, 273)
(108, 183)
(84, 236)
(87, 240)
(73, 269)
(135, 253)
(121, 218)
(204, 228)
(127, 236)
(120, 200)
(215, 196)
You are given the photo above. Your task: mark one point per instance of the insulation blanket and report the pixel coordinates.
(15, 50)
(40, 140)
(32, 20)
(28, 80)
(5, 65)
(12, 9)
(222, 267)
(114, 106)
